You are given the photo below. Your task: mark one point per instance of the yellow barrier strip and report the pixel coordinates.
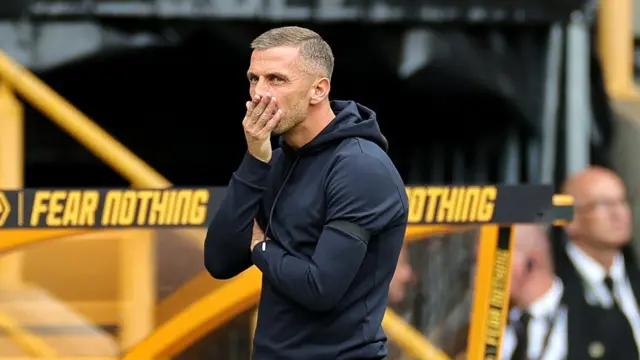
(410, 340)
(30, 343)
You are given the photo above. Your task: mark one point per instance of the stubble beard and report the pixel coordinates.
(294, 118)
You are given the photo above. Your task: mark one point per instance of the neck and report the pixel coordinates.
(540, 285)
(603, 256)
(318, 118)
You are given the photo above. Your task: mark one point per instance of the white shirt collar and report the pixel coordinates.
(591, 270)
(546, 305)
(549, 302)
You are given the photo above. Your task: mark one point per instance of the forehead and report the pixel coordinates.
(598, 186)
(277, 59)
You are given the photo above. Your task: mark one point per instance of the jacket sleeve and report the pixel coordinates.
(362, 199)
(227, 245)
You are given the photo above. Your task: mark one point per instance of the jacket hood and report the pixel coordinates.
(352, 121)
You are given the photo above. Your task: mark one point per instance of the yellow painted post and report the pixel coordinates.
(11, 169)
(615, 38)
(137, 285)
(491, 293)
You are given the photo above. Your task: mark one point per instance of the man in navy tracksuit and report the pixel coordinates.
(330, 201)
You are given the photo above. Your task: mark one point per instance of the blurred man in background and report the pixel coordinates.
(402, 278)
(596, 268)
(544, 323)
(537, 326)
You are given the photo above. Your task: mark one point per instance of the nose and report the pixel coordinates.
(262, 87)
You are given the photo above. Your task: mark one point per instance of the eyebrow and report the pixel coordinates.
(278, 74)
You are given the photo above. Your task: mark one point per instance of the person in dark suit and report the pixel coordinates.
(537, 324)
(599, 279)
(544, 323)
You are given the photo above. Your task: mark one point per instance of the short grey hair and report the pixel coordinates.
(313, 49)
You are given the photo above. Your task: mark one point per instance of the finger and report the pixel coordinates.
(266, 114)
(250, 106)
(260, 107)
(271, 124)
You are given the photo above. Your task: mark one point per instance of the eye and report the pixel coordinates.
(253, 79)
(276, 79)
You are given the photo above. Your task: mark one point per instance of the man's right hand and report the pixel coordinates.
(261, 118)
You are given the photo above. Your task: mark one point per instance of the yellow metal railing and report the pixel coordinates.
(30, 343)
(410, 340)
(11, 177)
(80, 127)
(616, 46)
